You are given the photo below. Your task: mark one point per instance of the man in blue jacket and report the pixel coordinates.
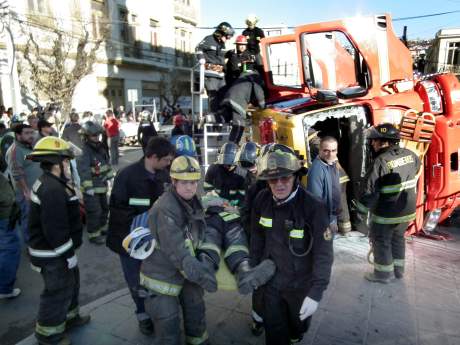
(323, 178)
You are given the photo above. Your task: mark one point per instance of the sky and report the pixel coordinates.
(297, 12)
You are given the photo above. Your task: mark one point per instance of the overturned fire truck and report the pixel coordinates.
(343, 76)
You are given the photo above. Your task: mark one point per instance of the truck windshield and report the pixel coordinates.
(330, 60)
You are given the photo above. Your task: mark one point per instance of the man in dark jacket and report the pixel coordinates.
(389, 196)
(290, 226)
(95, 171)
(71, 132)
(146, 130)
(254, 35)
(135, 190)
(324, 179)
(55, 234)
(211, 52)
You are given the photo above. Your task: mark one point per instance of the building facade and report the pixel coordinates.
(146, 53)
(444, 54)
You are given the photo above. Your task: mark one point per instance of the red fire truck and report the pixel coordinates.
(343, 76)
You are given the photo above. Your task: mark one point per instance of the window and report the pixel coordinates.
(453, 55)
(40, 6)
(283, 64)
(124, 26)
(154, 43)
(330, 61)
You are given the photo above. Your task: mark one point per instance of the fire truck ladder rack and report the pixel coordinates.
(213, 133)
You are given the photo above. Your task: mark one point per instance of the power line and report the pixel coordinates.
(425, 16)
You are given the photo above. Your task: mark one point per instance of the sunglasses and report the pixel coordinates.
(284, 180)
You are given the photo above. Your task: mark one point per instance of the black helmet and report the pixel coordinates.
(91, 128)
(227, 154)
(225, 29)
(274, 146)
(383, 131)
(247, 155)
(276, 164)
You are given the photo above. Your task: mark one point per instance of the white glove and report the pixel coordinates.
(89, 192)
(72, 262)
(202, 61)
(309, 306)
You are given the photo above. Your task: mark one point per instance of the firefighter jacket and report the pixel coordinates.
(145, 131)
(389, 189)
(244, 90)
(179, 229)
(54, 220)
(213, 52)
(94, 167)
(254, 36)
(134, 192)
(238, 63)
(226, 183)
(295, 235)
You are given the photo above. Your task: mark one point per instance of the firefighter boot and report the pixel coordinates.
(250, 279)
(146, 326)
(257, 328)
(77, 321)
(98, 240)
(399, 272)
(377, 278)
(64, 341)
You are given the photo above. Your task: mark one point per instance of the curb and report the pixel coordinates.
(30, 340)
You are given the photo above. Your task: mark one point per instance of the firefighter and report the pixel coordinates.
(247, 158)
(225, 194)
(343, 218)
(185, 146)
(173, 275)
(179, 122)
(211, 52)
(290, 226)
(95, 171)
(146, 130)
(55, 234)
(238, 60)
(135, 190)
(254, 35)
(388, 196)
(245, 85)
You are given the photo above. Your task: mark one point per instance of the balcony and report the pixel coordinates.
(185, 13)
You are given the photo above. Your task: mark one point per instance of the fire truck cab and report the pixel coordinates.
(339, 78)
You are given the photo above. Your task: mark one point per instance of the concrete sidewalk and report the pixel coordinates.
(422, 309)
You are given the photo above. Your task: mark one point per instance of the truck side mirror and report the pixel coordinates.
(351, 92)
(327, 96)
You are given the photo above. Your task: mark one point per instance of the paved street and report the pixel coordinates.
(423, 309)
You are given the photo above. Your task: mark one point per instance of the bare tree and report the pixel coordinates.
(54, 62)
(172, 87)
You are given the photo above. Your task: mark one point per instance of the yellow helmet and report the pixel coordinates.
(51, 149)
(277, 163)
(185, 168)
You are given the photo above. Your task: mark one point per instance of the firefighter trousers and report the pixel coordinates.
(164, 311)
(281, 316)
(58, 301)
(215, 89)
(228, 234)
(97, 211)
(343, 218)
(389, 248)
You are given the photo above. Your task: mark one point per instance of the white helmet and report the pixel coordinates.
(252, 19)
(139, 244)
